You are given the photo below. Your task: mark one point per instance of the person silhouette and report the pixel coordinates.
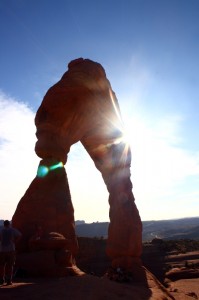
(8, 237)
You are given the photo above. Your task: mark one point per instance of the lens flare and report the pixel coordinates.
(44, 170)
(58, 165)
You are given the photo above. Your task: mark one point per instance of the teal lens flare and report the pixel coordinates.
(59, 165)
(44, 170)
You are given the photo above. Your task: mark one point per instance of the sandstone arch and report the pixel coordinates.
(82, 107)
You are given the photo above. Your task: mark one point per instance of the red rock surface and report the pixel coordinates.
(82, 107)
(46, 203)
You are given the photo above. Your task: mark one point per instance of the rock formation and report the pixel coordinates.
(81, 107)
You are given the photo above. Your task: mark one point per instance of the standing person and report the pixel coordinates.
(8, 237)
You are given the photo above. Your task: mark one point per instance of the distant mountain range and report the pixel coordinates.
(186, 228)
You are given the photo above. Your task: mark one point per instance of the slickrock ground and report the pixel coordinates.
(182, 279)
(185, 289)
(91, 287)
(86, 287)
(178, 274)
(178, 271)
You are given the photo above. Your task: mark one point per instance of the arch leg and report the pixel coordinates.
(124, 245)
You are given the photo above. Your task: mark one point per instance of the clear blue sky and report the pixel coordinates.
(149, 49)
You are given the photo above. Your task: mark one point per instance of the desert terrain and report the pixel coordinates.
(170, 273)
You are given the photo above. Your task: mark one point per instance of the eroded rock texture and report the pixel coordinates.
(82, 107)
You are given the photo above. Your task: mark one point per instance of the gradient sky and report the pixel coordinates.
(150, 52)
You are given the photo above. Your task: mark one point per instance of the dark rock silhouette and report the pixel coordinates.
(81, 107)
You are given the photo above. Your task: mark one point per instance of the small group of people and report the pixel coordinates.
(8, 237)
